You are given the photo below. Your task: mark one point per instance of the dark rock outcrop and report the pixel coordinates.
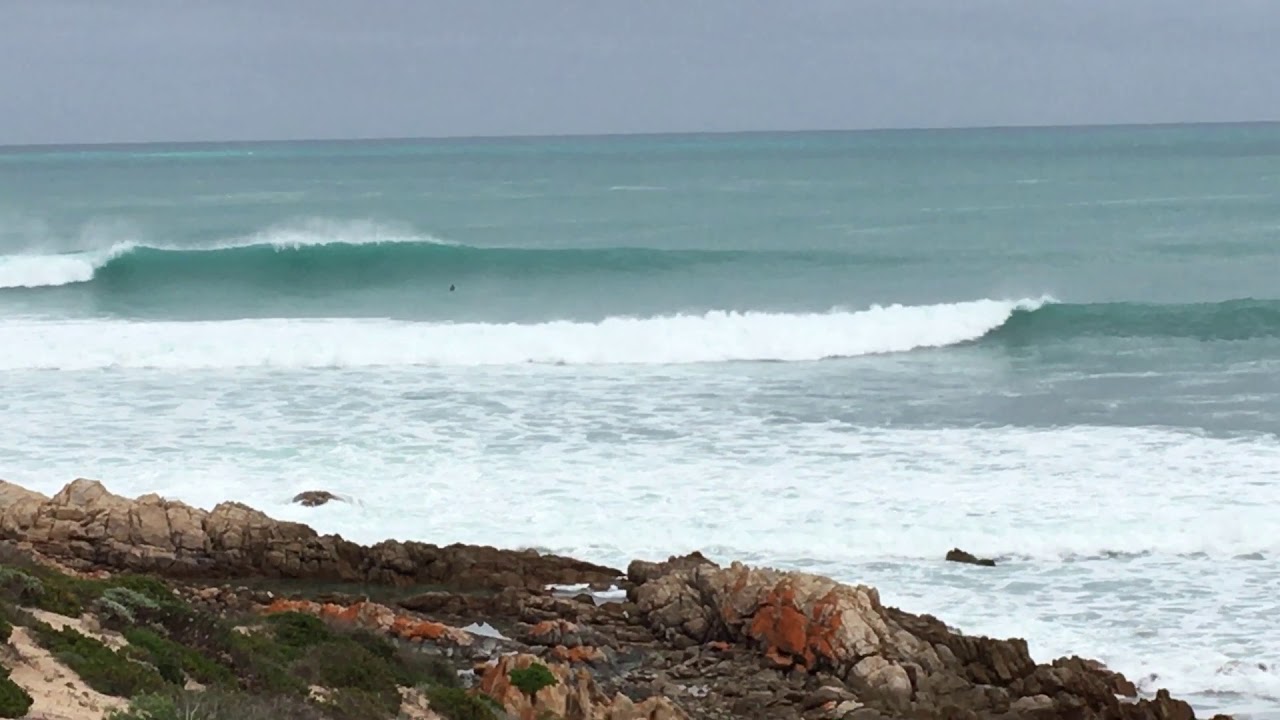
(314, 498)
(86, 528)
(960, 556)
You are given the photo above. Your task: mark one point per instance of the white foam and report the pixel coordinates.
(680, 339)
(613, 594)
(326, 231)
(614, 464)
(36, 270)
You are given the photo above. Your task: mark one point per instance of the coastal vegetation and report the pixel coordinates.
(172, 660)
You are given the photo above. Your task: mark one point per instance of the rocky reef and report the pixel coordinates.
(683, 638)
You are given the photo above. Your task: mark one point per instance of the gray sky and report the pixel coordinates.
(153, 70)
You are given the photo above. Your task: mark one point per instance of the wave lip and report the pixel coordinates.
(308, 244)
(676, 339)
(36, 271)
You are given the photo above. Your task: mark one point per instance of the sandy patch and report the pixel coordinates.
(59, 693)
(111, 639)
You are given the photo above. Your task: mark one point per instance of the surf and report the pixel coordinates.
(318, 255)
(717, 336)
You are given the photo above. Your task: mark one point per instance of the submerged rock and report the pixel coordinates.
(960, 556)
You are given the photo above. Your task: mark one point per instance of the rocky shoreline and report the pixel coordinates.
(683, 638)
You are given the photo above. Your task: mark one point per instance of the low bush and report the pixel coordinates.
(120, 606)
(356, 704)
(417, 668)
(101, 668)
(14, 701)
(260, 665)
(345, 665)
(19, 586)
(174, 661)
(298, 631)
(454, 703)
(216, 704)
(532, 679)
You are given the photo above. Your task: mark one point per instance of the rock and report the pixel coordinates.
(314, 498)
(640, 572)
(575, 696)
(894, 662)
(694, 639)
(87, 528)
(960, 556)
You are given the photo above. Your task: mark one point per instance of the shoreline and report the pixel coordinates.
(695, 638)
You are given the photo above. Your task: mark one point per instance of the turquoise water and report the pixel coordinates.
(843, 352)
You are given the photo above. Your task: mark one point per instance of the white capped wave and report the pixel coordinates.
(680, 339)
(35, 270)
(325, 231)
(43, 269)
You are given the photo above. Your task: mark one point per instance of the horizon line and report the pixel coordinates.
(645, 134)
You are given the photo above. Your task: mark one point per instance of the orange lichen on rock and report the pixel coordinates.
(787, 630)
(575, 655)
(374, 616)
(575, 694)
(547, 627)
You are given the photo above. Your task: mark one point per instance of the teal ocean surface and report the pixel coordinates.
(839, 352)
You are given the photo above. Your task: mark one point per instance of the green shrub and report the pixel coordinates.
(151, 588)
(120, 606)
(149, 707)
(215, 704)
(62, 594)
(532, 679)
(166, 655)
(6, 628)
(299, 631)
(19, 586)
(356, 704)
(14, 701)
(415, 668)
(50, 590)
(344, 664)
(99, 666)
(454, 703)
(258, 662)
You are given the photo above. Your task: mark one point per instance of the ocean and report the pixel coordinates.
(845, 353)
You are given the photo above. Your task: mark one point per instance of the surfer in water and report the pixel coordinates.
(450, 287)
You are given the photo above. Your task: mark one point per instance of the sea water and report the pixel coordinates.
(845, 353)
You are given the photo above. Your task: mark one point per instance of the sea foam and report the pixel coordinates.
(719, 336)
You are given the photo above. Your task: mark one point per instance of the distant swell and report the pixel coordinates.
(317, 262)
(1243, 319)
(677, 339)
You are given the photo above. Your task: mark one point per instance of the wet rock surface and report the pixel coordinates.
(691, 639)
(957, 555)
(314, 498)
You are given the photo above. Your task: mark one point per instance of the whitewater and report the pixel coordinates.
(842, 353)
(336, 343)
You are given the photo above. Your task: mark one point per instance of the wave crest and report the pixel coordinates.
(676, 339)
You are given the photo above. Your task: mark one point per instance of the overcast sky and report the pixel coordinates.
(153, 70)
